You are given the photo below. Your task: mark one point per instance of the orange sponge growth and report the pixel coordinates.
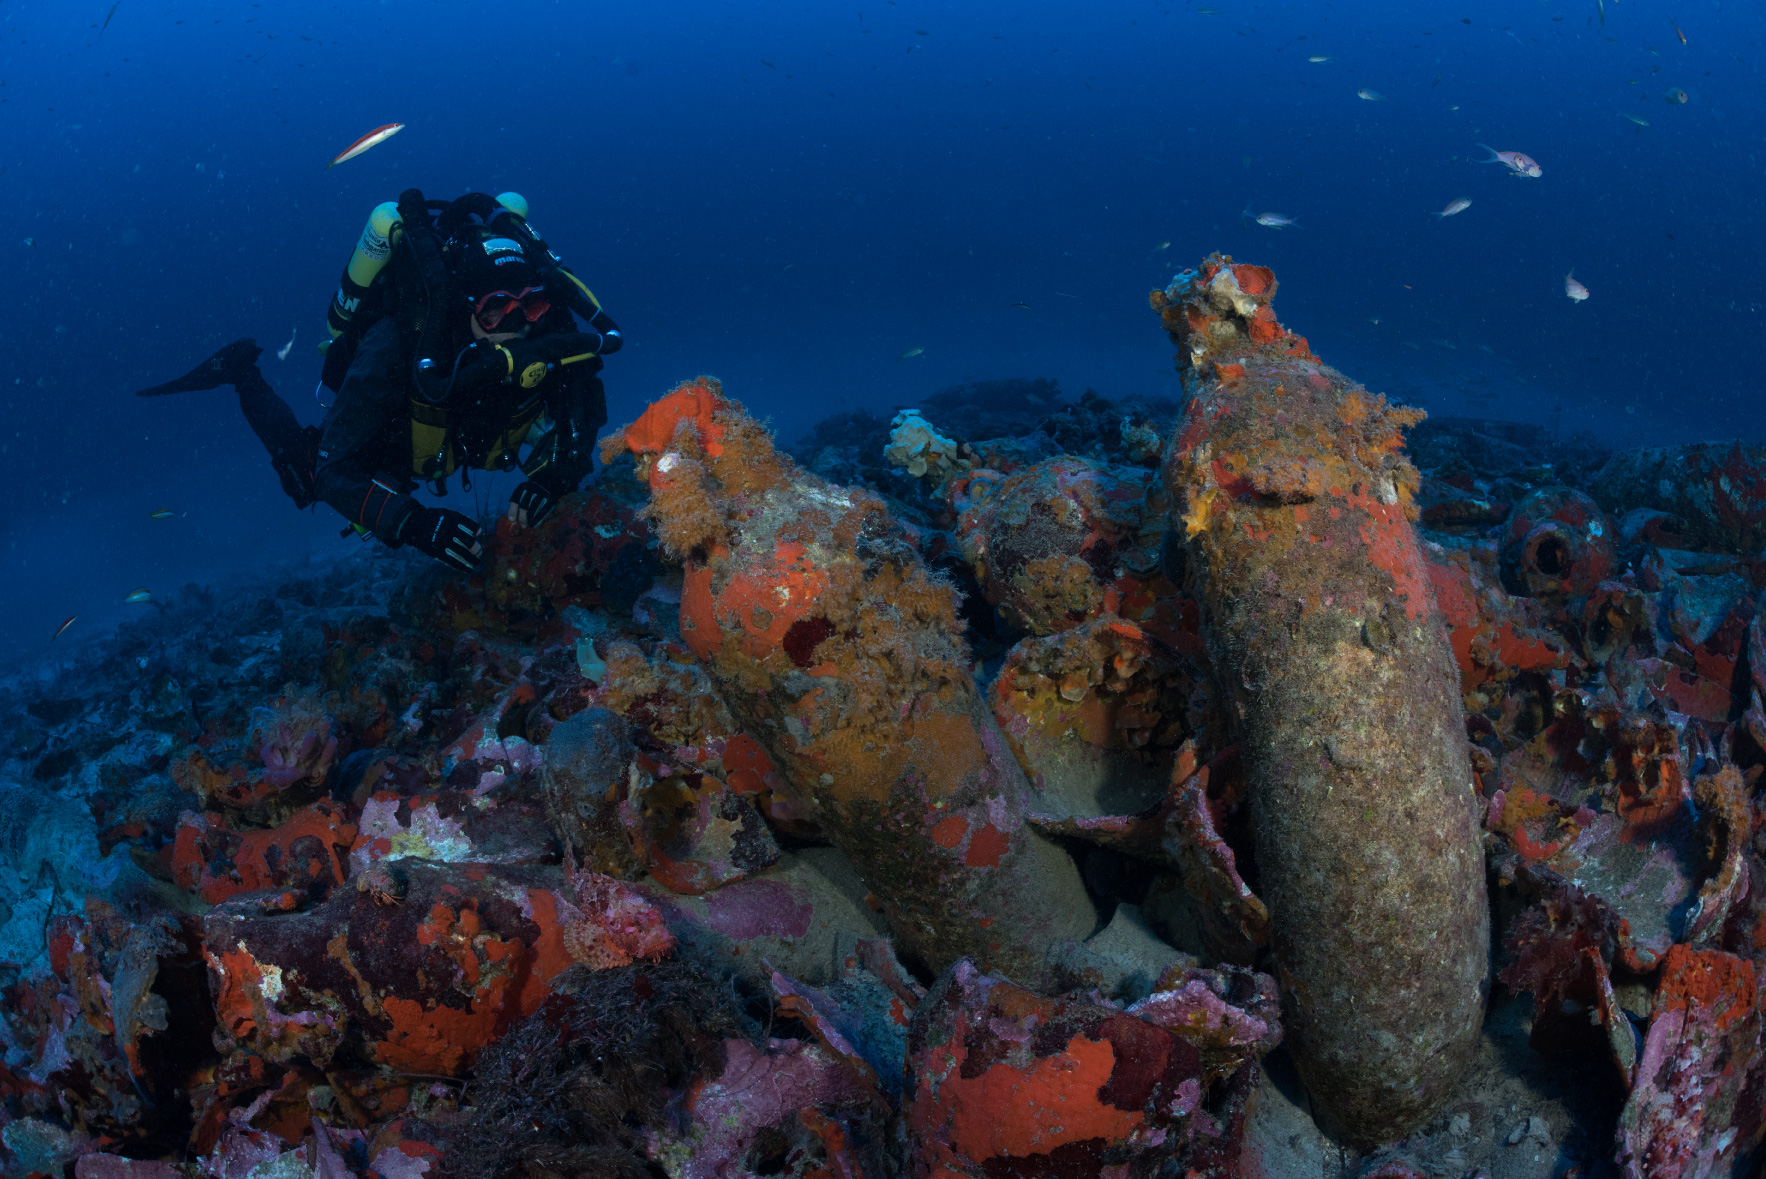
(836, 648)
(695, 402)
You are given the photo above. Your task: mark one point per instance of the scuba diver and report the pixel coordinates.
(453, 344)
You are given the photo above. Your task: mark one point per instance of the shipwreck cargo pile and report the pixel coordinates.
(988, 791)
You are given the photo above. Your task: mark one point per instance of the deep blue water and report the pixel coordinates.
(791, 195)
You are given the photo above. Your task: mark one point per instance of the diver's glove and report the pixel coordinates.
(297, 465)
(448, 536)
(530, 503)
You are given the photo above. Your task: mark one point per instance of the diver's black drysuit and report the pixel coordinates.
(367, 457)
(364, 454)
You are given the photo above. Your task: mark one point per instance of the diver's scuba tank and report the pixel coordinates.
(358, 303)
(372, 251)
(362, 294)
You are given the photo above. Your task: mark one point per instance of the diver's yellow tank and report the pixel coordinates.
(372, 252)
(365, 264)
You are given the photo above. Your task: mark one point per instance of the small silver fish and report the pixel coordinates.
(1574, 289)
(1022, 306)
(911, 353)
(1635, 119)
(1273, 220)
(1459, 206)
(160, 514)
(1370, 95)
(1319, 58)
(282, 352)
(1676, 95)
(141, 594)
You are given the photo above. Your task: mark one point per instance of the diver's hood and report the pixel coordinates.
(488, 247)
(485, 261)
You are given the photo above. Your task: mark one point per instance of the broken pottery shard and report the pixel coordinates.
(790, 917)
(1234, 922)
(418, 966)
(587, 759)
(834, 647)
(1231, 1015)
(307, 854)
(86, 1040)
(481, 759)
(1723, 803)
(691, 830)
(451, 827)
(762, 1093)
(1006, 1082)
(1561, 952)
(1716, 491)
(1694, 1109)
(1297, 508)
(1096, 715)
(1051, 542)
(1494, 636)
(683, 722)
(863, 1017)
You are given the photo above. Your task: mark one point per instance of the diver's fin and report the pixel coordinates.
(226, 367)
